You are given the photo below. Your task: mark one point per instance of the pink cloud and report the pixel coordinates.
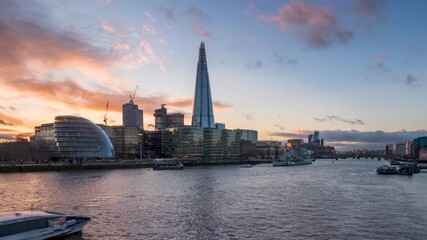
(198, 14)
(148, 30)
(199, 30)
(107, 26)
(382, 57)
(318, 27)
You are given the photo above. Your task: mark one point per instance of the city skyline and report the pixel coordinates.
(353, 70)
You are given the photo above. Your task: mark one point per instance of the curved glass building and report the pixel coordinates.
(79, 138)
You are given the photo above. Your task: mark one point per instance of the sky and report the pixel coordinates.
(355, 70)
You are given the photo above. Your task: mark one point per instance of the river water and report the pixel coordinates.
(342, 199)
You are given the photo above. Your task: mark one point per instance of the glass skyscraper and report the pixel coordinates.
(202, 111)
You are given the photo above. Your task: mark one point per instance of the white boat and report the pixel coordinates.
(39, 225)
(294, 158)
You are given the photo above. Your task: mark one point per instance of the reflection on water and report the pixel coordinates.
(342, 199)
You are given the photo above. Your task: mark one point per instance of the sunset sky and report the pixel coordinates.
(353, 69)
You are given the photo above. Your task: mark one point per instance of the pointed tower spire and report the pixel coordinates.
(202, 110)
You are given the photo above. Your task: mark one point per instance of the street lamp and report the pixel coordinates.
(140, 146)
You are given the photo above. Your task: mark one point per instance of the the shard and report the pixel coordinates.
(202, 111)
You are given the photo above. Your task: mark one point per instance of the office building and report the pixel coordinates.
(269, 149)
(231, 139)
(163, 120)
(79, 139)
(249, 135)
(127, 142)
(157, 144)
(419, 144)
(202, 110)
(132, 116)
(188, 142)
(71, 139)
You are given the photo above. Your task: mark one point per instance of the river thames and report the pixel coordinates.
(342, 199)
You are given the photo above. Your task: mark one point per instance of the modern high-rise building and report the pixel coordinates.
(202, 111)
(164, 120)
(132, 116)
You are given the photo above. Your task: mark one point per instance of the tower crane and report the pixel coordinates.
(133, 96)
(105, 116)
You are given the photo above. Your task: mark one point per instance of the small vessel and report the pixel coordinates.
(294, 157)
(385, 169)
(395, 162)
(246, 166)
(168, 166)
(39, 225)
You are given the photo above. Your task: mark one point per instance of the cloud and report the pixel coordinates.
(368, 139)
(32, 46)
(221, 106)
(201, 31)
(255, 64)
(282, 60)
(170, 13)
(380, 68)
(147, 55)
(411, 80)
(382, 57)
(9, 121)
(334, 118)
(250, 8)
(149, 16)
(148, 30)
(370, 10)
(318, 27)
(105, 2)
(7, 137)
(107, 26)
(2, 122)
(198, 14)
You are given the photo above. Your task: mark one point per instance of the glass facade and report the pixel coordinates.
(79, 138)
(231, 144)
(126, 142)
(419, 144)
(132, 116)
(213, 144)
(188, 142)
(202, 110)
(157, 144)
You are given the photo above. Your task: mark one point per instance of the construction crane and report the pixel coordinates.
(105, 116)
(133, 97)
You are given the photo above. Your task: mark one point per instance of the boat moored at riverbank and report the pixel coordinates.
(168, 165)
(39, 225)
(294, 158)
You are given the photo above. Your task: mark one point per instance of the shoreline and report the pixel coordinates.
(24, 168)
